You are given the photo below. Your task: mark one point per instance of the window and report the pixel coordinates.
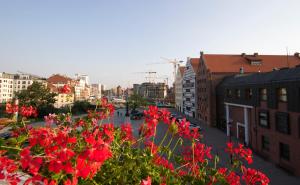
(237, 93)
(188, 99)
(188, 108)
(188, 90)
(265, 143)
(282, 95)
(263, 94)
(264, 119)
(282, 122)
(228, 93)
(248, 93)
(284, 151)
(24, 82)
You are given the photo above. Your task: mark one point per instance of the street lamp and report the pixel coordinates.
(127, 106)
(230, 124)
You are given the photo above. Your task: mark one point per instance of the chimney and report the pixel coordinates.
(242, 70)
(243, 54)
(255, 54)
(297, 54)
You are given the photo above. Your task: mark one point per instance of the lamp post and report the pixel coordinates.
(127, 106)
(230, 124)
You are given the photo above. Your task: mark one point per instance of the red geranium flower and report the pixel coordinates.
(253, 177)
(28, 111)
(11, 109)
(66, 89)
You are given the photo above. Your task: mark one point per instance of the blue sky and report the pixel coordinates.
(111, 40)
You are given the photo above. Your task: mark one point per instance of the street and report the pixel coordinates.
(217, 139)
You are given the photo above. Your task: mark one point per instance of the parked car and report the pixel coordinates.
(136, 115)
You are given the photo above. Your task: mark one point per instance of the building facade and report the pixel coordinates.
(12, 83)
(154, 91)
(262, 110)
(189, 87)
(178, 89)
(55, 83)
(82, 87)
(6, 87)
(96, 91)
(214, 68)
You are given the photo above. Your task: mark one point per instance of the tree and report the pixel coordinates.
(38, 96)
(136, 101)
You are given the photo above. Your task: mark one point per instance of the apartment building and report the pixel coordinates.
(262, 110)
(189, 87)
(6, 87)
(12, 83)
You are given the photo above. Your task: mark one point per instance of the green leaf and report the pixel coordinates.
(22, 138)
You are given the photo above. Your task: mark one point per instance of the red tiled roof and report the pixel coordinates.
(55, 79)
(182, 69)
(219, 63)
(195, 63)
(52, 87)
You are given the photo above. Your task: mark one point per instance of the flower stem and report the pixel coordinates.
(153, 139)
(9, 147)
(162, 141)
(174, 148)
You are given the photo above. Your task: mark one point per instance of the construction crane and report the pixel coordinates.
(169, 61)
(165, 78)
(151, 75)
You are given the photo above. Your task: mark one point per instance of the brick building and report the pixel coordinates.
(214, 67)
(263, 111)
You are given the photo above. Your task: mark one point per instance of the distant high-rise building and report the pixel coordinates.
(96, 91)
(84, 78)
(119, 91)
(82, 87)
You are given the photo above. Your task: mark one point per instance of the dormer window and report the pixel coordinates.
(255, 62)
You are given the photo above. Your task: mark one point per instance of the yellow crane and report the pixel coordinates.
(174, 62)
